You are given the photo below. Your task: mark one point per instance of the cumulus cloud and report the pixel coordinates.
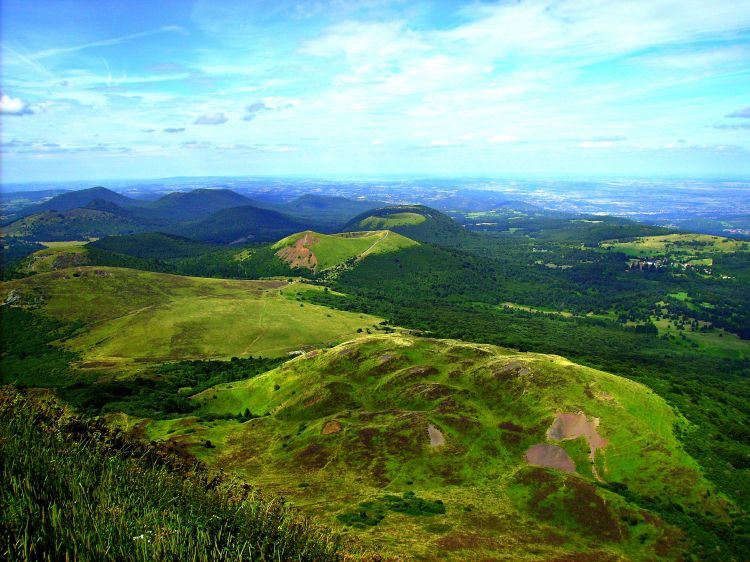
(14, 106)
(174, 129)
(741, 113)
(211, 119)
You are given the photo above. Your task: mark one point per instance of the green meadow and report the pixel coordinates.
(127, 318)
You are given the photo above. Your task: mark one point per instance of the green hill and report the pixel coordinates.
(152, 245)
(240, 225)
(316, 252)
(77, 199)
(324, 211)
(196, 204)
(414, 221)
(440, 448)
(126, 318)
(73, 224)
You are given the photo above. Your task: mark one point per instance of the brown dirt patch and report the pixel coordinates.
(568, 425)
(550, 456)
(332, 426)
(437, 439)
(300, 255)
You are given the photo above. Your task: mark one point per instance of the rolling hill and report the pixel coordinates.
(469, 450)
(194, 205)
(240, 225)
(126, 318)
(326, 212)
(75, 200)
(317, 252)
(414, 221)
(75, 224)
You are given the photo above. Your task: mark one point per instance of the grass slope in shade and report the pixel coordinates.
(452, 421)
(71, 490)
(129, 317)
(312, 250)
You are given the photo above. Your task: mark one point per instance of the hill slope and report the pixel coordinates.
(128, 317)
(324, 211)
(470, 425)
(75, 224)
(414, 221)
(196, 204)
(244, 224)
(316, 252)
(77, 199)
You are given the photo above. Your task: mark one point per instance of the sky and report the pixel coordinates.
(568, 88)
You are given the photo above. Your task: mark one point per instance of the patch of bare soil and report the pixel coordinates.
(550, 456)
(568, 425)
(300, 254)
(332, 426)
(437, 439)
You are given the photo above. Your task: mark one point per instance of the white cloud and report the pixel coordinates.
(14, 106)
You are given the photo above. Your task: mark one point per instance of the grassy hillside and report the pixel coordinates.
(316, 252)
(430, 448)
(73, 490)
(414, 221)
(128, 318)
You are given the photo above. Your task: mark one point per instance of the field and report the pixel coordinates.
(678, 245)
(349, 434)
(311, 250)
(130, 318)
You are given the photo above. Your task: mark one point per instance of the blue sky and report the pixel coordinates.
(137, 89)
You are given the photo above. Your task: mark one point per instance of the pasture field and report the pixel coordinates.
(128, 318)
(695, 246)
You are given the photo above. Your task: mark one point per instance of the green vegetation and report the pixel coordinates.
(74, 490)
(128, 318)
(678, 245)
(413, 221)
(370, 513)
(354, 419)
(310, 250)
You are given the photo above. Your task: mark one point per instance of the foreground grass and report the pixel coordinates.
(71, 490)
